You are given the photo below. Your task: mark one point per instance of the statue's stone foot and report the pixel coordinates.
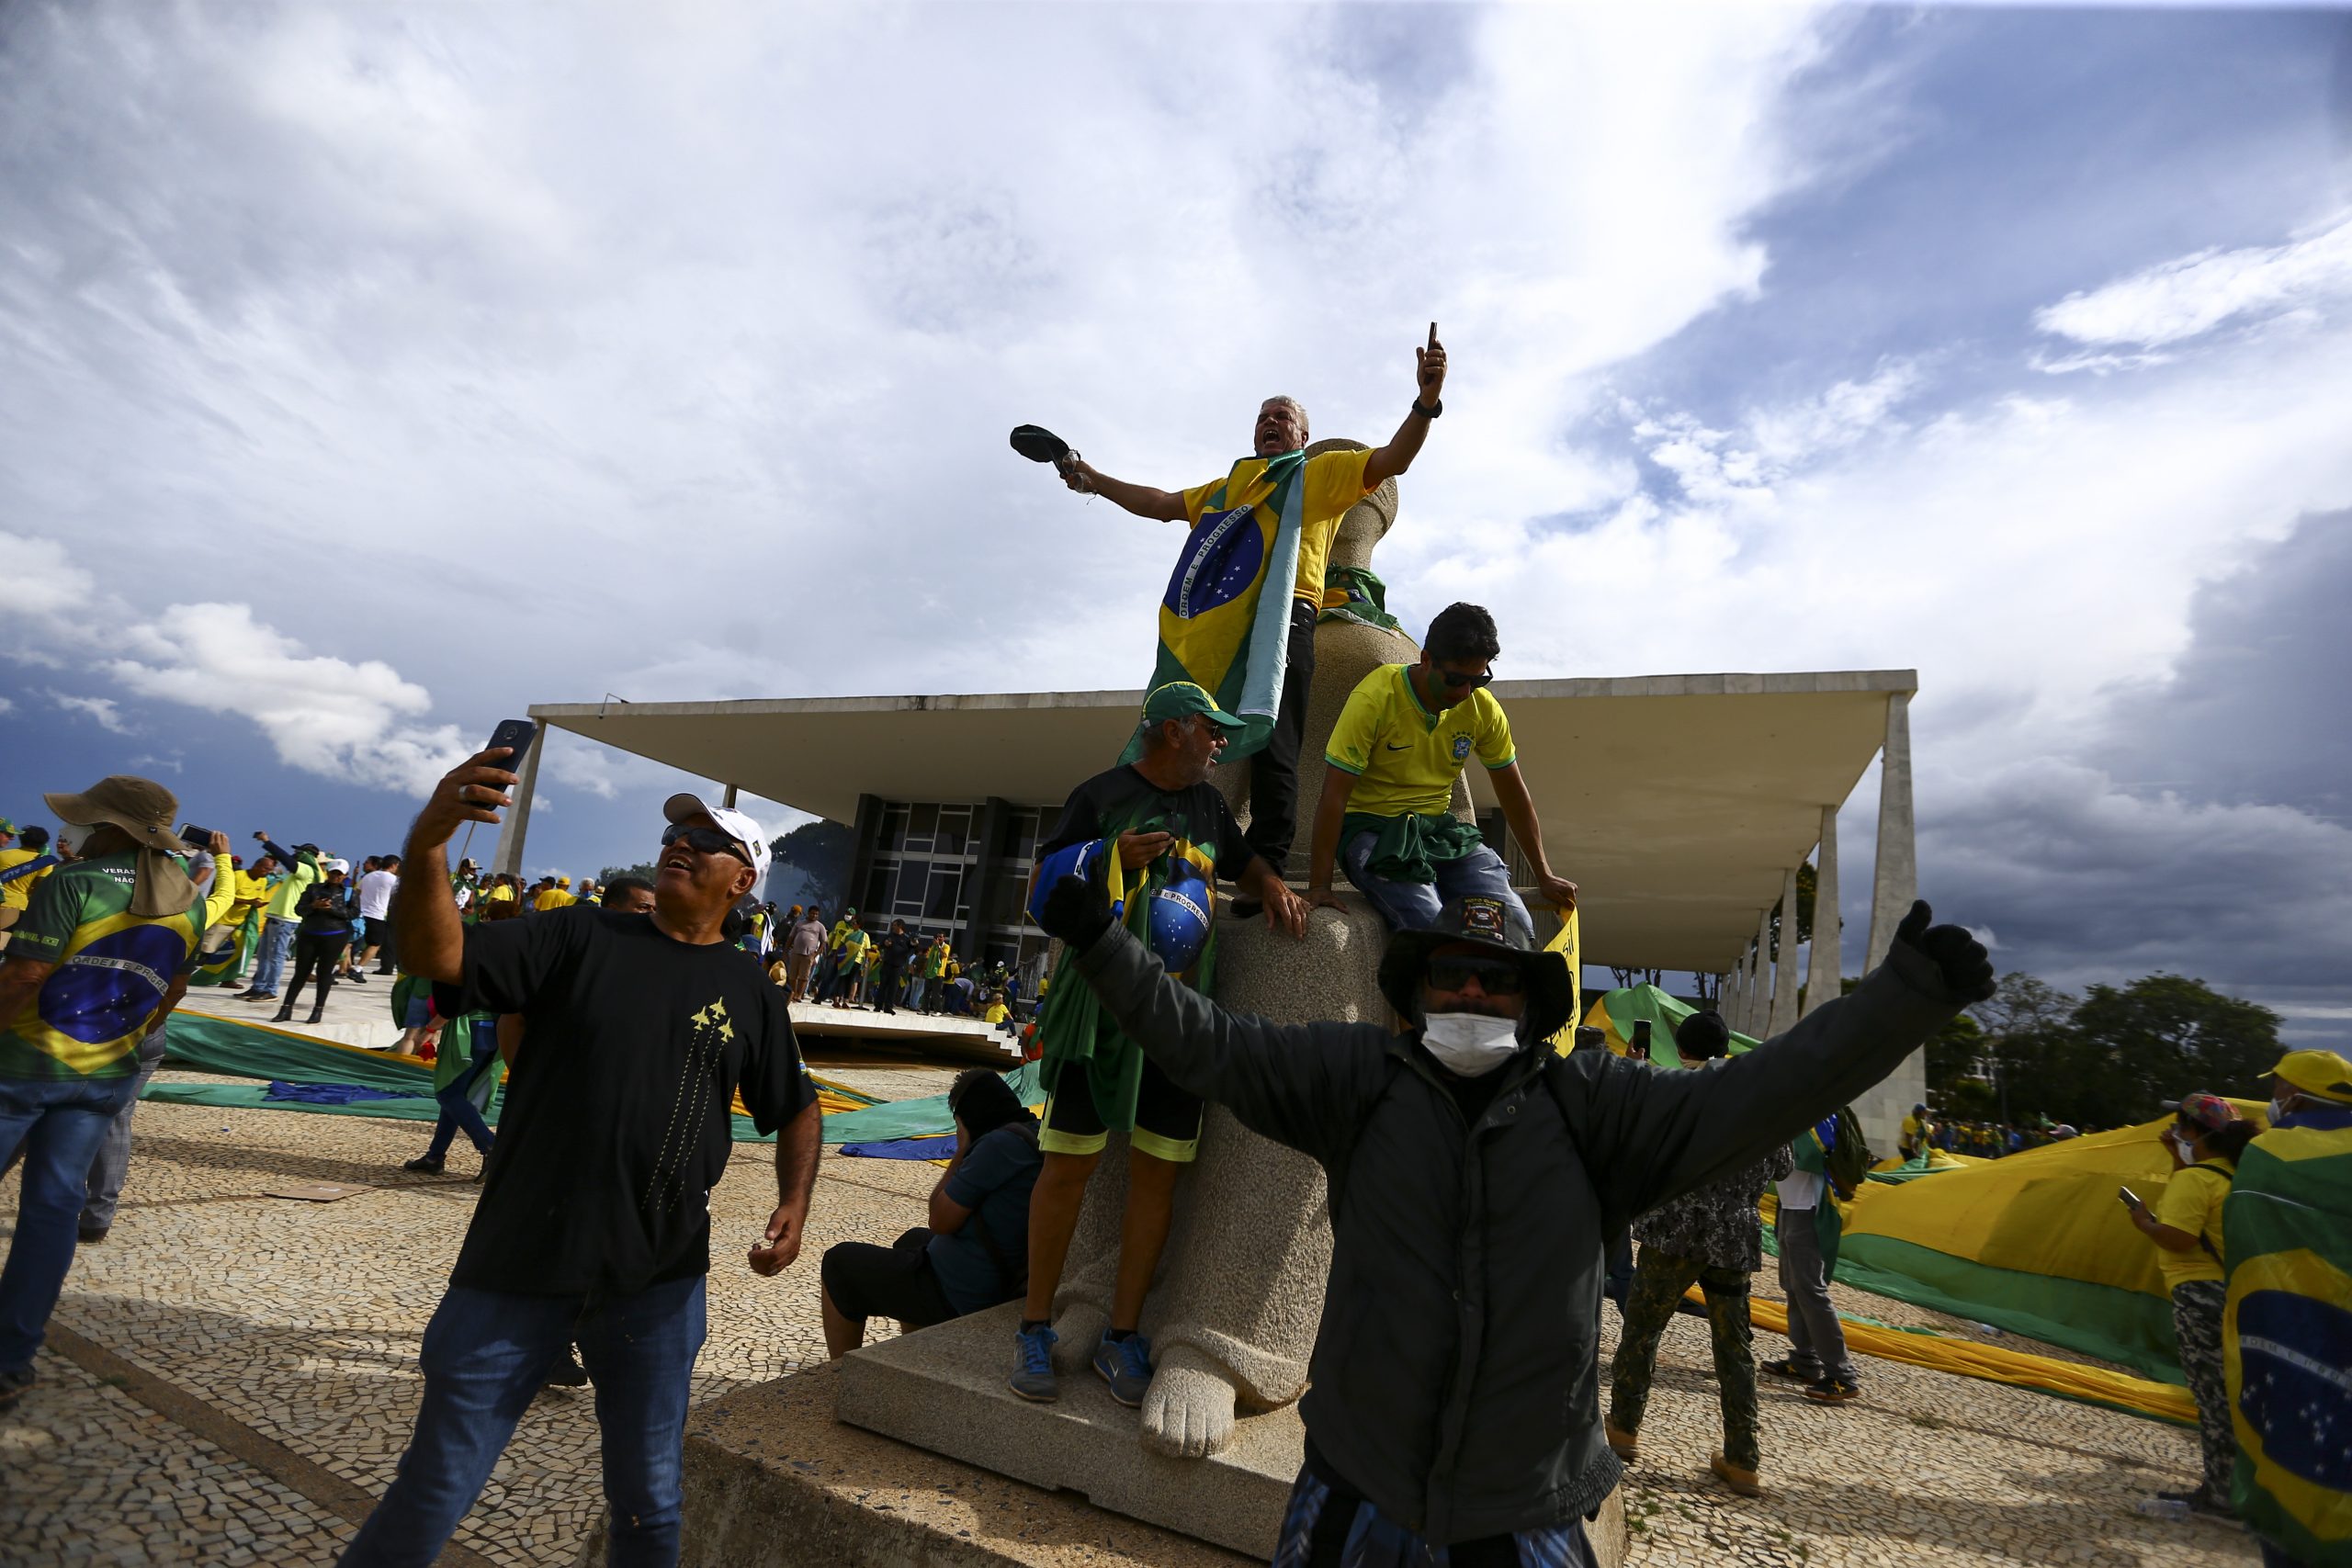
(1076, 1333)
(1188, 1412)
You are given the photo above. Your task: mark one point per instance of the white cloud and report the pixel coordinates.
(2191, 295)
(328, 716)
(102, 709)
(7, 706)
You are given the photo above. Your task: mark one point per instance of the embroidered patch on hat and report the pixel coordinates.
(1482, 916)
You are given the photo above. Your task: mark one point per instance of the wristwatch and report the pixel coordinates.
(1431, 410)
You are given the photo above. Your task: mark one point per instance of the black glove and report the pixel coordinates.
(1077, 911)
(1967, 968)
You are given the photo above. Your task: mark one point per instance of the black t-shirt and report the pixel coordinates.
(616, 1125)
(1124, 800)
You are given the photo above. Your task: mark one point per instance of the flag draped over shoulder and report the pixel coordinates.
(2287, 1340)
(1224, 620)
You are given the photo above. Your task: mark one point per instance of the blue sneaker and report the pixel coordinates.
(1033, 1366)
(1125, 1365)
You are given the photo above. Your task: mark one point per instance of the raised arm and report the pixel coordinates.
(1160, 505)
(429, 936)
(1429, 381)
(1303, 1085)
(1650, 1136)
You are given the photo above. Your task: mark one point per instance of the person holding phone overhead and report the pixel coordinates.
(1265, 527)
(637, 1031)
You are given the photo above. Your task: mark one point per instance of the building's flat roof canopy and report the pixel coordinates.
(1676, 802)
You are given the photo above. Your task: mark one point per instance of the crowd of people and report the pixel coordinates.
(1478, 1178)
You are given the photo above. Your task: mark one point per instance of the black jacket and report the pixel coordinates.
(1455, 1381)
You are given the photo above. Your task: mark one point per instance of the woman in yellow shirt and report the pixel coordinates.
(2205, 1138)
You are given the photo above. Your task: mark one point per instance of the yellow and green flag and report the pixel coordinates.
(1224, 620)
(2287, 1340)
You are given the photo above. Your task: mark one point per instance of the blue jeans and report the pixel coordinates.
(486, 1354)
(915, 983)
(61, 1123)
(1414, 905)
(277, 941)
(458, 1113)
(113, 1162)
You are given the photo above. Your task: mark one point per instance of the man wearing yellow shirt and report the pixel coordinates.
(1333, 482)
(1406, 734)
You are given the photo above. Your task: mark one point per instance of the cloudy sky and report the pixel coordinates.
(369, 373)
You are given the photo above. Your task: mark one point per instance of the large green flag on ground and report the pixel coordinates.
(2287, 1340)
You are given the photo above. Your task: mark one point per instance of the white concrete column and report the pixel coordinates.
(1784, 971)
(508, 857)
(1822, 978)
(1760, 990)
(1895, 881)
(1734, 980)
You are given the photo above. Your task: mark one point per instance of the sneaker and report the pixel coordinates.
(1832, 1390)
(356, 978)
(568, 1372)
(1739, 1478)
(1125, 1365)
(1794, 1369)
(1033, 1365)
(424, 1164)
(14, 1385)
(90, 1235)
(258, 997)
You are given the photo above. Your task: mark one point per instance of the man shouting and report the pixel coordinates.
(1226, 623)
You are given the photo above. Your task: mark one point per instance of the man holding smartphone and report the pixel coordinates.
(636, 1032)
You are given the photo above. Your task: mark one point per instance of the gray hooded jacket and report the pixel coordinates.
(1454, 1382)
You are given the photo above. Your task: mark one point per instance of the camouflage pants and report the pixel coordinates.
(1659, 1279)
(2196, 1324)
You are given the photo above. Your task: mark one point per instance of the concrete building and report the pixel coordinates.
(1683, 804)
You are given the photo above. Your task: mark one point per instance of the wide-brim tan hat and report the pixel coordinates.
(144, 809)
(141, 807)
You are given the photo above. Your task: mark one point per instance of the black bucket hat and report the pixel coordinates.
(1480, 921)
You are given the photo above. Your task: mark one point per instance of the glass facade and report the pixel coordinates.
(928, 863)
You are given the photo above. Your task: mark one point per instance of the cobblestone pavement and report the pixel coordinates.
(290, 1330)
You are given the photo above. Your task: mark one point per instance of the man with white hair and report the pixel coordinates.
(1277, 505)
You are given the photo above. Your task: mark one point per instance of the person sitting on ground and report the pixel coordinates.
(973, 1254)
(639, 1031)
(996, 1011)
(1386, 811)
(326, 916)
(1713, 1238)
(1475, 1178)
(1171, 833)
(2205, 1139)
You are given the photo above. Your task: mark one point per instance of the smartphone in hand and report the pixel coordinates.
(515, 735)
(2130, 1200)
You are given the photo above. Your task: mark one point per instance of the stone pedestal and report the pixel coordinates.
(773, 1481)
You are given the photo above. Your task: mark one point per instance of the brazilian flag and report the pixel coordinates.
(1224, 620)
(2286, 1338)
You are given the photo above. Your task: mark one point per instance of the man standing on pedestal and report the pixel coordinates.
(1269, 520)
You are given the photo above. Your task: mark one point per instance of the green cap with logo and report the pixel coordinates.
(1181, 699)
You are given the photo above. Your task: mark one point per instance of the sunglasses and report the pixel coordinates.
(707, 841)
(1453, 682)
(1496, 976)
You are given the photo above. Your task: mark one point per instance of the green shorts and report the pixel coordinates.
(1167, 1120)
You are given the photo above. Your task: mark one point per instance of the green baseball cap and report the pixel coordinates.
(7, 827)
(1179, 699)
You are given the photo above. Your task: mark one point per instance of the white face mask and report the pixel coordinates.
(2278, 1109)
(1470, 1043)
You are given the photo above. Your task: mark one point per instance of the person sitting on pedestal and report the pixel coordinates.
(1171, 836)
(1387, 816)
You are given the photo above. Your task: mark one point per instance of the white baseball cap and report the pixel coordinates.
(735, 824)
(341, 865)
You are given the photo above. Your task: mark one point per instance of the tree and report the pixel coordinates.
(2025, 1023)
(1807, 880)
(2165, 1035)
(1955, 1056)
(641, 869)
